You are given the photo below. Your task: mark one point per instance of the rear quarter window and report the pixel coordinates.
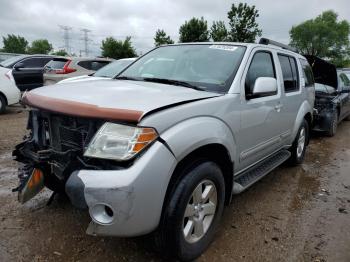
(56, 64)
(307, 73)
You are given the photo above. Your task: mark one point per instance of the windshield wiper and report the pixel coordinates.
(128, 78)
(172, 82)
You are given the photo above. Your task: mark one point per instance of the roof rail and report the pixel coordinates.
(265, 41)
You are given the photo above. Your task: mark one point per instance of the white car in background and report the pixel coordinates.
(9, 93)
(108, 71)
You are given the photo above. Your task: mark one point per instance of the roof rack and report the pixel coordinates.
(265, 41)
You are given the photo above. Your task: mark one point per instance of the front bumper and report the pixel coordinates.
(323, 120)
(126, 202)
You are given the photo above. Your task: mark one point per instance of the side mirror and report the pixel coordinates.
(265, 86)
(18, 66)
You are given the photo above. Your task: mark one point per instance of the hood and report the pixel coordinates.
(80, 78)
(122, 100)
(324, 73)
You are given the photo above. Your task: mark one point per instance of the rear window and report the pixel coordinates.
(289, 72)
(93, 65)
(56, 64)
(307, 73)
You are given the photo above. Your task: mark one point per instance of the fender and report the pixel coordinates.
(304, 109)
(190, 134)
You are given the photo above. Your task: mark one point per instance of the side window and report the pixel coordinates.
(96, 65)
(290, 73)
(307, 72)
(36, 62)
(85, 64)
(261, 66)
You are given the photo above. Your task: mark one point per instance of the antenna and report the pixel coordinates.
(86, 40)
(66, 37)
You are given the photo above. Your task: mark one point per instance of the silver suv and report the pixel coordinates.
(163, 147)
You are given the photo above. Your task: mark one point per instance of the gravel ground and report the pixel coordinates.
(293, 214)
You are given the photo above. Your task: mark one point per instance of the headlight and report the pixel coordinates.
(120, 142)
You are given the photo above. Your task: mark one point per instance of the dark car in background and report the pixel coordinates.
(332, 103)
(27, 70)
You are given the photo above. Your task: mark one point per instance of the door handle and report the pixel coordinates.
(278, 107)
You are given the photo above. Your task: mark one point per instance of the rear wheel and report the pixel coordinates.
(334, 125)
(299, 145)
(2, 104)
(193, 212)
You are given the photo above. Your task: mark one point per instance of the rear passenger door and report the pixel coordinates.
(260, 116)
(292, 95)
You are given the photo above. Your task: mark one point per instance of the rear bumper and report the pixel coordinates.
(125, 202)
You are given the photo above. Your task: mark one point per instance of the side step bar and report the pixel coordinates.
(255, 173)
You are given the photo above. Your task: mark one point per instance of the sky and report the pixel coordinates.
(140, 19)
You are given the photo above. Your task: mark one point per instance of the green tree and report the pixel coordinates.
(194, 30)
(243, 25)
(60, 52)
(14, 44)
(117, 49)
(218, 31)
(161, 38)
(40, 46)
(324, 36)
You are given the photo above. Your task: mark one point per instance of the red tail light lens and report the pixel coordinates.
(66, 69)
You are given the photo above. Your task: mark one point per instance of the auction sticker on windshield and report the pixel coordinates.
(224, 47)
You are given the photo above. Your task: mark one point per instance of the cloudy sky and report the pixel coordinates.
(140, 19)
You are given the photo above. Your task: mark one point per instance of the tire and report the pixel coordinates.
(299, 145)
(180, 214)
(334, 124)
(2, 104)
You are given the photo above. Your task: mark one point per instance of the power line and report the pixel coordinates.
(86, 40)
(66, 37)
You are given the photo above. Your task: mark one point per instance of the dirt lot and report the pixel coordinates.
(293, 214)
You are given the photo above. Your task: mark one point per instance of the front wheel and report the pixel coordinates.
(2, 104)
(193, 213)
(299, 145)
(333, 125)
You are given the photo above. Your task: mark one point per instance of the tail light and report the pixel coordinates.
(9, 76)
(66, 69)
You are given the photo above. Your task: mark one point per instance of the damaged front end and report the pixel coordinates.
(54, 149)
(325, 108)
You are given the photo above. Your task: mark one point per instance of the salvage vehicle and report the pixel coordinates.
(9, 93)
(108, 71)
(165, 145)
(332, 104)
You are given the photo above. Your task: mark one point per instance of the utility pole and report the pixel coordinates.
(86, 40)
(66, 37)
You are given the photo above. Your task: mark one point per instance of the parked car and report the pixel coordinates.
(62, 68)
(108, 71)
(163, 146)
(332, 103)
(4, 56)
(9, 93)
(27, 70)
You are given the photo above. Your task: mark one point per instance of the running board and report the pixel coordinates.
(255, 173)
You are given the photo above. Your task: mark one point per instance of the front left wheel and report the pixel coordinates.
(192, 215)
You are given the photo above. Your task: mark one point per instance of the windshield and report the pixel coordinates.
(113, 68)
(210, 67)
(10, 61)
